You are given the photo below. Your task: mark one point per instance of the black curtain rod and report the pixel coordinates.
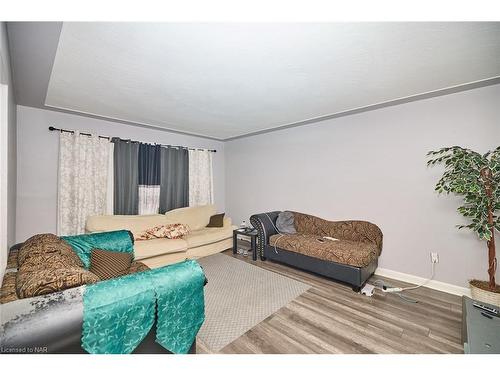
(51, 128)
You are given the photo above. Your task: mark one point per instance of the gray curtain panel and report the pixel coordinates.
(149, 164)
(126, 174)
(174, 182)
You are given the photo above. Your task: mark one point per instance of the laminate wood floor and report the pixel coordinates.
(331, 318)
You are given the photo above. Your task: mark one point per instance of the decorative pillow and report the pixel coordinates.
(171, 231)
(177, 231)
(50, 248)
(216, 221)
(31, 284)
(109, 264)
(285, 223)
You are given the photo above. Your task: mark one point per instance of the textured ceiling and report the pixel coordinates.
(227, 80)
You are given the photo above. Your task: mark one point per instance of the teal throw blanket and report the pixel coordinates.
(119, 313)
(118, 240)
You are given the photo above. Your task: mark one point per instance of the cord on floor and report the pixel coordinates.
(379, 284)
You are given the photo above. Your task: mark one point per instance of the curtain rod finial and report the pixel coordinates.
(52, 128)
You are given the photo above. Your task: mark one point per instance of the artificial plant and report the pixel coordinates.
(476, 178)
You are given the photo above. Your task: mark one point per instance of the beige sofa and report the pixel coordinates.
(201, 241)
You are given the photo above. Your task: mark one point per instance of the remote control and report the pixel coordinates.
(330, 238)
(486, 308)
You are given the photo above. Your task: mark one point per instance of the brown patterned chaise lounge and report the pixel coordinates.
(351, 258)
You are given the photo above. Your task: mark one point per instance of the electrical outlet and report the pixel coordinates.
(434, 257)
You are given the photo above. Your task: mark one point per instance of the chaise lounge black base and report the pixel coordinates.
(352, 258)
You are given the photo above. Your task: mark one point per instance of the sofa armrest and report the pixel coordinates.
(265, 224)
(227, 222)
(358, 230)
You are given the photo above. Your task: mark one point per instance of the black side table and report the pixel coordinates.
(249, 232)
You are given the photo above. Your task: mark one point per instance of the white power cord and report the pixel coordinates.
(380, 285)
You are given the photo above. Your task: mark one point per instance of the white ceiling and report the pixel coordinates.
(227, 80)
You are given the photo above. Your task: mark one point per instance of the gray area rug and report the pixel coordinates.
(238, 296)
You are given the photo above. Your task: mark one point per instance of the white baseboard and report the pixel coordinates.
(433, 284)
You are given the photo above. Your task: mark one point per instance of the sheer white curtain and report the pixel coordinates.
(201, 180)
(84, 186)
(149, 199)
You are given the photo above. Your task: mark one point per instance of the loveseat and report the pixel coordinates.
(346, 251)
(199, 242)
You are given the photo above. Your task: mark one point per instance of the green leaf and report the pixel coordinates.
(464, 176)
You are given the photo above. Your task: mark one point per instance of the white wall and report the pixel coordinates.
(372, 166)
(9, 209)
(37, 161)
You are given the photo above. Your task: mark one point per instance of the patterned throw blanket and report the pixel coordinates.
(119, 313)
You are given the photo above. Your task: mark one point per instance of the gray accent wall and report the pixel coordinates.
(6, 78)
(372, 166)
(37, 161)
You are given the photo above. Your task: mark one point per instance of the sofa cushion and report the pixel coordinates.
(351, 230)
(109, 264)
(133, 223)
(208, 235)
(45, 281)
(353, 253)
(158, 246)
(195, 217)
